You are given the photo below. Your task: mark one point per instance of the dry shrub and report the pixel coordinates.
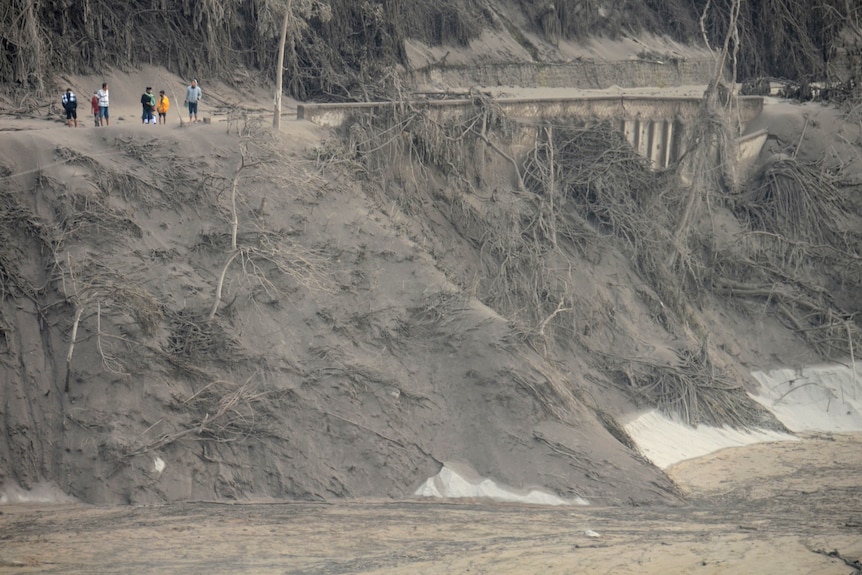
(348, 49)
(18, 225)
(520, 234)
(140, 304)
(611, 189)
(413, 153)
(784, 39)
(351, 51)
(221, 410)
(182, 184)
(89, 215)
(197, 341)
(695, 389)
(89, 283)
(703, 176)
(798, 200)
(115, 183)
(801, 219)
(271, 263)
(609, 183)
(422, 139)
(125, 296)
(232, 409)
(438, 306)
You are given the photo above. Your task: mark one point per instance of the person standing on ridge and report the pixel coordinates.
(103, 104)
(162, 107)
(148, 103)
(70, 104)
(193, 96)
(94, 107)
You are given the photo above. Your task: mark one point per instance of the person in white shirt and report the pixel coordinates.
(103, 104)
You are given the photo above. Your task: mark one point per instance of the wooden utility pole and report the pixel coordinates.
(279, 74)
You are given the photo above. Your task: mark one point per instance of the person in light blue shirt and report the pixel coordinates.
(193, 96)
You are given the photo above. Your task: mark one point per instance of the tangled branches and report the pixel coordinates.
(694, 390)
(805, 309)
(24, 53)
(230, 414)
(563, 19)
(607, 180)
(800, 217)
(515, 231)
(17, 222)
(196, 340)
(275, 253)
(612, 189)
(88, 284)
(428, 138)
(800, 201)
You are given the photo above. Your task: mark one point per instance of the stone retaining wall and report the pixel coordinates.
(588, 74)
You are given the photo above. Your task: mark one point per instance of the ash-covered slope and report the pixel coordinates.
(338, 361)
(293, 316)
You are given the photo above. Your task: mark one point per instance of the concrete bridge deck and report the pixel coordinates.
(654, 121)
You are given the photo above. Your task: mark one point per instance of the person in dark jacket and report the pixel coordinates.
(148, 102)
(70, 104)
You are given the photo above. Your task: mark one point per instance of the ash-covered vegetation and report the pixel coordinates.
(348, 50)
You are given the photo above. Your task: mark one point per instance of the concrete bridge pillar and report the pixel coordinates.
(655, 140)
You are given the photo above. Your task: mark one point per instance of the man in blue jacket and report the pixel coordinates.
(193, 96)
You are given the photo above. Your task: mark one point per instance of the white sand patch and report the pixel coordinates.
(457, 480)
(665, 441)
(43, 492)
(819, 398)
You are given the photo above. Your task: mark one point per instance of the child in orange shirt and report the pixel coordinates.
(162, 107)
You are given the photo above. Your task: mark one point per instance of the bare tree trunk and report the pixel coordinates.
(79, 309)
(279, 73)
(37, 55)
(220, 284)
(234, 225)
